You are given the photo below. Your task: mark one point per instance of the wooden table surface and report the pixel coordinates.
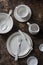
(37, 17)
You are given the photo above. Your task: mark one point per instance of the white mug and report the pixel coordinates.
(33, 28)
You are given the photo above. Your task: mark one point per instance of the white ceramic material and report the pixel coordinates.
(18, 49)
(22, 13)
(24, 39)
(6, 22)
(4, 26)
(12, 45)
(32, 61)
(22, 35)
(41, 47)
(33, 28)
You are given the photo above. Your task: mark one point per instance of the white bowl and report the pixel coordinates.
(41, 47)
(32, 60)
(5, 26)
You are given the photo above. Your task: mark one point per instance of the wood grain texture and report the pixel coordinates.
(37, 17)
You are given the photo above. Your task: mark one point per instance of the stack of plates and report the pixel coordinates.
(12, 45)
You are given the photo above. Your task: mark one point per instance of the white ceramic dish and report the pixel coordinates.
(33, 28)
(8, 24)
(22, 11)
(41, 47)
(32, 61)
(12, 45)
(25, 17)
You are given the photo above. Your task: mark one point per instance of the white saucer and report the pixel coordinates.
(32, 61)
(12, 45)
(5, 26)
(18, 18)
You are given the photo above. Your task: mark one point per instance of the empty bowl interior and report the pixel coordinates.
(2, 18)
(32, 61)
(22, 11)
(3, 25)
(34, 27)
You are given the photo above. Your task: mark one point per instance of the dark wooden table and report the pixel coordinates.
(37, 17)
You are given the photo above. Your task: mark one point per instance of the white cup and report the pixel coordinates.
(23, 11)
(33, 28)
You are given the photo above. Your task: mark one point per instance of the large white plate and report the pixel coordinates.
(19, 18)
(12, 45)
(8, 23)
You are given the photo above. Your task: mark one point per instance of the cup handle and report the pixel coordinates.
(28, 24)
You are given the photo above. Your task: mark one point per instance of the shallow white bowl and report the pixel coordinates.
(8, 24)
(32, 60)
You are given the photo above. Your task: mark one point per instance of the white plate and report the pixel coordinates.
(12, 45)
(5, 26)
(19, 18)
(32, 61)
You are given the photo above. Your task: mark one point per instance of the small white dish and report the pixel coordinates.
(22, 13)
(41, 47)
(12, 45)
(32, 61)
(33, 28)
(5, 26)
